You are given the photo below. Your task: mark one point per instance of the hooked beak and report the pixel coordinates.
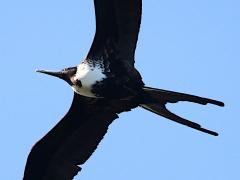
(59, 74)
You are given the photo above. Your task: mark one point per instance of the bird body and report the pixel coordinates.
(99, 79)
(105, 84)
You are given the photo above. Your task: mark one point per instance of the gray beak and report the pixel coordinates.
(59, 74)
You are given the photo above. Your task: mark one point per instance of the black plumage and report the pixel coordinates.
(71, 142)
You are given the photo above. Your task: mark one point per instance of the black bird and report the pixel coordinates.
(105, 84)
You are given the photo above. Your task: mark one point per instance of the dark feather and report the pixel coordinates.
(117, 27)
(159, 99)
(72, 141)
(166, 96)
(161, 110)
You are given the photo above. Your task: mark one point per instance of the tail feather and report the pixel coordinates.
(162, 97)
(174, 97)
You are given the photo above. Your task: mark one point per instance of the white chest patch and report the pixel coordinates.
(88, 76)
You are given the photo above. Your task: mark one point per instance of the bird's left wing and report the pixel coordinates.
(72, 141)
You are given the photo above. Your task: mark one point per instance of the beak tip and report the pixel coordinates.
(40, 71)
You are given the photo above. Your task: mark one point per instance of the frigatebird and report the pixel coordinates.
(105, 84)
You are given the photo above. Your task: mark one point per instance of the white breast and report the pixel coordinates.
(88, 76)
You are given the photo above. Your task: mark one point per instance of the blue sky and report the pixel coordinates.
(186, 46)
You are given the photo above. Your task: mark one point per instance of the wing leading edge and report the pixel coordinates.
(72, 141)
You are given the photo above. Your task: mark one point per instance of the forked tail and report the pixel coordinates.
(162, 97)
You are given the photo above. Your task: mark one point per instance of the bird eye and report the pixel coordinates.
(79, 83)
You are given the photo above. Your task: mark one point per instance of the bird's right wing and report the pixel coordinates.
(117, 28)
(72, 141)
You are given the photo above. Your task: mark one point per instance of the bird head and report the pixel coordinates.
(66, 74)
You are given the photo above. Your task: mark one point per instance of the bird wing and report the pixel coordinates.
(117, 27)
(72, 141)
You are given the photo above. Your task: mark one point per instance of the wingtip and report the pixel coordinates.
(214, 133)
(221, 104)
(218, 103)
(209, 132)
